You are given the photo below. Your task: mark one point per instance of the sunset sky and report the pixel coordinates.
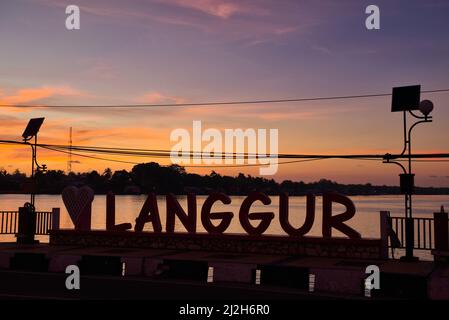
(186, 51)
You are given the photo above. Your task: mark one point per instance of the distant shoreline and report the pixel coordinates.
(153, 178)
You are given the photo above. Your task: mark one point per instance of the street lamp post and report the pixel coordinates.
(30, 132)
(407, 99)
(27, 213)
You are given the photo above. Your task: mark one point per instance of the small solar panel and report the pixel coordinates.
(406, 98)
(32, 128)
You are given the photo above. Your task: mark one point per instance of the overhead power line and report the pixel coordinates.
(190, 154)
(160, 153)
(223, 166)
(90, 157)
(151, 153)
(215, 103)
(186, 166)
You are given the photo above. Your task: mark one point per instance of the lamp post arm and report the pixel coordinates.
(419, 117)
(409, 137)
(405, 134)
(396, 163)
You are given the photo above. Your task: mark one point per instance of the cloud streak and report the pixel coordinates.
(221, 8)
(235, 19)
(36, 95)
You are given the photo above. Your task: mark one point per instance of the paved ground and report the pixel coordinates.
(26, 285)
(24, 273)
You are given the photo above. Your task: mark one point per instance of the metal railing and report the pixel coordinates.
(43, 222)
(423, 232)
(9, 222)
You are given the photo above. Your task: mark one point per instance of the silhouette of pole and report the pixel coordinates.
(69, 161)
(407, 99)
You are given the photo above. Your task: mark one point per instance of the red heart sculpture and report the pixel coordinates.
(77, 200)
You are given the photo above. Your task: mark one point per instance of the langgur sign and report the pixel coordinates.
(78, 204)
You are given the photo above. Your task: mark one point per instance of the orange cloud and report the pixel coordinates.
(260, 112)
(36, 95)
(121, 136)
(156, 97)
(217, 8)
(56, 132)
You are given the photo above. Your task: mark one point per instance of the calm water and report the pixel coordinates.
(366, 220)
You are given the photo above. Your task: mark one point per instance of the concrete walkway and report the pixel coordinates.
(117, 273)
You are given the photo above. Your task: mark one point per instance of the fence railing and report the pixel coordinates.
(9, 222)
(423, 232)
(45, 221)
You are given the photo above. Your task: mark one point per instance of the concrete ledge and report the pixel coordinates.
(335, 276)
(233, 272)
(266, 244)
(332, 280)
(438, 284)
(440, 255)
(151, 267)
(59, 263)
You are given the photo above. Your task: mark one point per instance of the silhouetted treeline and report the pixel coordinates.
(151, 177)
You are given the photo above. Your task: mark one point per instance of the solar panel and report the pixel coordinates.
(406, 98)
(32, 128)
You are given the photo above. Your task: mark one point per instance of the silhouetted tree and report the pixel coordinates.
(152, 177)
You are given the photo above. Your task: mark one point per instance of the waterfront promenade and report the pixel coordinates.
(38, 271)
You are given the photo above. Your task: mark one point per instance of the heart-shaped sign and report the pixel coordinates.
(76, 201)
